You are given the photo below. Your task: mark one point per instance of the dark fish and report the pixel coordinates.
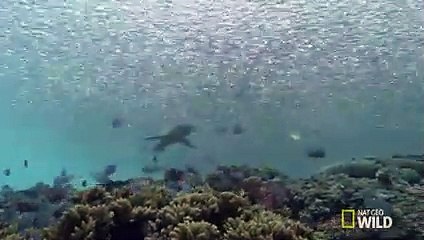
(26, 163)
(190, 169)
(6, 172)
(178, 134)
(316, 153)
(63, 173)
(63, 179)
(110, 169)
(117, 122)
(370, 158)
(113, 185)
(238, 129)
(149, 169)
(84, 183)
(103, 177)
(153, 168)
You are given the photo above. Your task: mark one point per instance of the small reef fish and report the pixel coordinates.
(6, 172)
(84, 183)
(63, 179)
(103, 177)
(26, 163)
(191, 169)
(316, 153)
(150, 169)
(110, 169)
(370, 157)
(295, 136)
(178, 134)
(238, 129)
(63, 172)
(117, 122)
(154, 167)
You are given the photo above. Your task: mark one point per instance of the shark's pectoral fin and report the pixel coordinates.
(187, 143)
(154, 137)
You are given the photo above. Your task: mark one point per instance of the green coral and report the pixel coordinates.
(101, 222)
(259, 224)
(404, 163)
(93, 196)
(204, 204)
(82, 222)
(9, 232)
(202, 214)
(190, 230)
(409, 175)
(152, 196)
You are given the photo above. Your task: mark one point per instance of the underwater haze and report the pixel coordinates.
(345, 76)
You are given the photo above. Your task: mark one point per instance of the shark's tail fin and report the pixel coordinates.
(153, 138)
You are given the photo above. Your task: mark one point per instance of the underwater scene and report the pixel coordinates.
(212, 119)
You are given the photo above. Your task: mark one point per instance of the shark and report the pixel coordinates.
(177, 134)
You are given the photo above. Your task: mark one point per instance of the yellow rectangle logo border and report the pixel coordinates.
(352, 212)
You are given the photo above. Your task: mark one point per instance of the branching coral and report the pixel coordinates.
(190, 230)
(207, 204)
(97, 195)
(9, 232)
(152, 196)
(82, 222)
(102, 222)
(204, 214)
(259, 224)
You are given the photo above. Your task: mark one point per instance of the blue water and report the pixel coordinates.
(344, 75)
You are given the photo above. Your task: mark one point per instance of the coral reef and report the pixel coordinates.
(201, 214)
(232, 203)
(9, 232)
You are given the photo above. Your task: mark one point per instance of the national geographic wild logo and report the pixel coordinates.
(365, 219)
